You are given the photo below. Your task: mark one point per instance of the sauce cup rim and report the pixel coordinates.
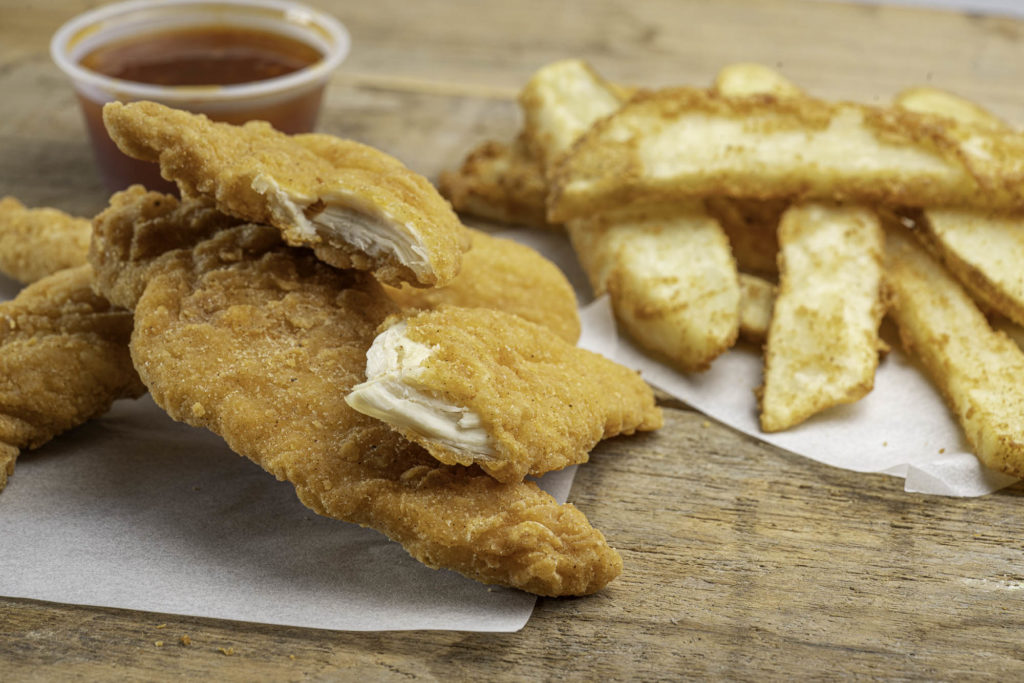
(293, 12)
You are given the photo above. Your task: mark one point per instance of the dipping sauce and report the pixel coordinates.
(202, 55)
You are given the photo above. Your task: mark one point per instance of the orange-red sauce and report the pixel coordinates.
(202, 55)
(199, 56)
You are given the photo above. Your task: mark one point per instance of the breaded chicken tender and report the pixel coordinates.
(35, 243)
(477, 386)
(354, 205)
(507, 276)
(63, 360)
(259, 343)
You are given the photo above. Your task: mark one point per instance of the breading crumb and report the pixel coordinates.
(185, 640)
(159, 643)
(162, 626)
(227, 651)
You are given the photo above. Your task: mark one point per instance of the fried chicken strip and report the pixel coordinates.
(354, 205)
(259, 342)
(35, 243)
(485, 387)
(507, 276)
(63, 360)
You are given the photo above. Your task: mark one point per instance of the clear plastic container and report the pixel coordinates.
(291, 103)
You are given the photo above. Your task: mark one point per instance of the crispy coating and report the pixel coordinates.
(977, 370)
(670, 275)
(749, 78)
(544, 402)
(504, 275)
(985, 251)
(63, 360)
(560, 102)
(752, 228)
(356, 206)
(686, 142)
(822, 347)
(35, 243)
(259, 342)
(757, 297)
(500, 182)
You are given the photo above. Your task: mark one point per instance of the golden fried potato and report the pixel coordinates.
(688, 142)
(670, 275)
(977, 369)
(822, 347)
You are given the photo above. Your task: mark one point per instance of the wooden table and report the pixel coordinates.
(742, 560)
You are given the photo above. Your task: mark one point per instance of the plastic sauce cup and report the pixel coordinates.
(291, 102)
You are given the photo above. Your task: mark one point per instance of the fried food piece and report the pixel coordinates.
(751, 226)
(823, 343)
(560, 102)
(977, 369)
(499, 182)
(507, 276)
(928, 100)
(757, 298)
(670, 275)
(985, 251)
(35, 243)
(687, 142)
(355, 206)
(477, 386)
(259, 342)
(63, 360)
(745, 79)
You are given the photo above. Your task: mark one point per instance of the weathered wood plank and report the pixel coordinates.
(742, 561)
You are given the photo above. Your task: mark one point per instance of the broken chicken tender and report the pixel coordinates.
(35, 243)
(259, 342)
(977, 370)
(822, 347)
(63, 360)
(354, 205)
(507, 276)
(670, 276)
(688, 142)
(477, 386)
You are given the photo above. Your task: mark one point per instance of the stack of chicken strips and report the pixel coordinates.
(751, 210)
(320, 307)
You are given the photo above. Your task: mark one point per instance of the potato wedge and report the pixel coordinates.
(977, 369)
(757, 298)
(560, 102)
(687, 142)
(499, 182)
(670, 275)
(985, 251)
(822, 347)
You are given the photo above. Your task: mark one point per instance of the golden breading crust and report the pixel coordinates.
(499, 182)
(63, 360)
(543, 402)
(37, 242)
(686, 142)
(507, 276)
(259, 342)
(356, 206)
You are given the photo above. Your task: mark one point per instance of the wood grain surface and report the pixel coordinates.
(741, 561)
